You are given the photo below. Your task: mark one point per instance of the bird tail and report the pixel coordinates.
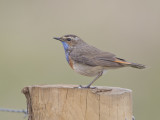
(139, 66)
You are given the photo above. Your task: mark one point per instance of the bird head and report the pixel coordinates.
(70, 40)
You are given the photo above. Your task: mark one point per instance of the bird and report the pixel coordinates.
(90, 61)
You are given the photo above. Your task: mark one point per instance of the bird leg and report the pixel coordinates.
(88, 86)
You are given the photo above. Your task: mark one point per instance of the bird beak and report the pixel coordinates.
(57, 38)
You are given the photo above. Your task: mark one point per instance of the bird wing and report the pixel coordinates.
(94, 57)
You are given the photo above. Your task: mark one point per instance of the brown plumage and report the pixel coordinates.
(90, 61)
(89, 55)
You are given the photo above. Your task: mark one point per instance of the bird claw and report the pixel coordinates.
(80, 86)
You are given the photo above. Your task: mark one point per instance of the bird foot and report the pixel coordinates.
(80, 86)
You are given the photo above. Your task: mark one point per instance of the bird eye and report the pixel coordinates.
(68, 39)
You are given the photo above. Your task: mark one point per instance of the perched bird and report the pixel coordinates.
(90, 61)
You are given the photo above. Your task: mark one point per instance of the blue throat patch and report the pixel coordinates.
(65, 45)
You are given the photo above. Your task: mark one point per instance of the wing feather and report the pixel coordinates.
(92, 56)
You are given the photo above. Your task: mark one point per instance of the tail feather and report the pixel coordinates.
(125, 63)
(139, 66)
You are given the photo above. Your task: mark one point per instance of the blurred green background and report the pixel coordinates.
(29, 56)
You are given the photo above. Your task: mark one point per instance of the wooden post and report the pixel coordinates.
(64, 102)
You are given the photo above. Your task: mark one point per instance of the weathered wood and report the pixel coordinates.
(64, 102)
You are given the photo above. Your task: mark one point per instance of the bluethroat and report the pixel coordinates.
(90, 61)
